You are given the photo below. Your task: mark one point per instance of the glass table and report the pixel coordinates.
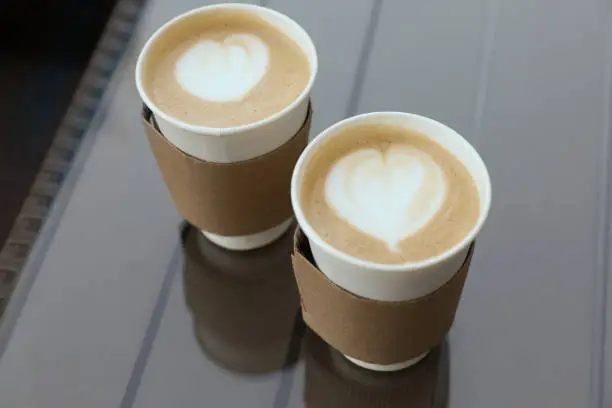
(122, 305)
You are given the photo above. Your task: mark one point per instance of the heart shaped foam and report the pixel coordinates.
(223, 72)
(389, 195)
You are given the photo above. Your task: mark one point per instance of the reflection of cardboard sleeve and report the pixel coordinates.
(334, 382)
(230, 198)
(244, 304)
(369, 330)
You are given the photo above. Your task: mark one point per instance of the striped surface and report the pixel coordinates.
(66, 141)
(527, 82)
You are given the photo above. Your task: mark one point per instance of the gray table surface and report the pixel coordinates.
(101, 317)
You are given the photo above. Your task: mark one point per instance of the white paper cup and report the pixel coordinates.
(385, 282)
(236, 144)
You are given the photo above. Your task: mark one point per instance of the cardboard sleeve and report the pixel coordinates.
(229, 199)
(370, 330)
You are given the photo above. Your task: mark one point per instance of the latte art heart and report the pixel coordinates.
(389, 195)
(223, 71)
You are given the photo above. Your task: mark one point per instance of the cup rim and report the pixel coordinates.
(314, 65)
(312, 234)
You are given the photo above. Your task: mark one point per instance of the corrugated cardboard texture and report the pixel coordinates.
(229, 199)
(369, 330)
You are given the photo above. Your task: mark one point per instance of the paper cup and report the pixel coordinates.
(385, 282)
(240, 143)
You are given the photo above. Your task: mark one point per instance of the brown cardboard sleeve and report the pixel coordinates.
(370, 330)
(229, 199)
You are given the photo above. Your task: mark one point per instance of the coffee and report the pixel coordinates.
(224, 68)
(387, 194)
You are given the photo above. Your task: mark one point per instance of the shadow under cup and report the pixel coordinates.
(333, 382)
(245, 305)
(384, 283)
(240, 145)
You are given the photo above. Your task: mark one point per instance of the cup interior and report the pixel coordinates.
(436, 131)
(280, 21)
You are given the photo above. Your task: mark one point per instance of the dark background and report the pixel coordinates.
(44, 49)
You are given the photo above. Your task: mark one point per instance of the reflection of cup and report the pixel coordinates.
(244, 304)
(331, 381)
(392, 282)
(239, 144)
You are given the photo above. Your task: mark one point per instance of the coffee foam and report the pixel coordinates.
(224, 68)
(388, 194)
(223, 71)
